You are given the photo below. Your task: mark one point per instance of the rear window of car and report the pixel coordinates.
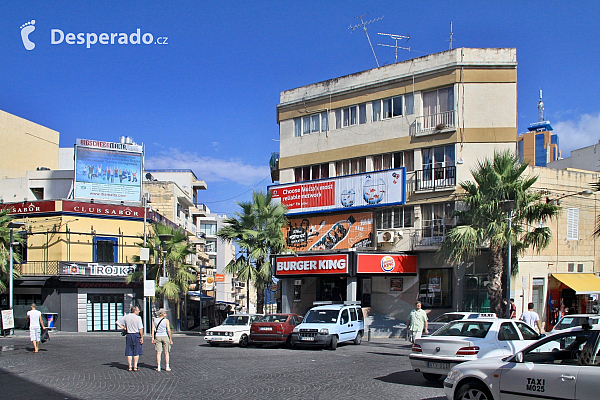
(321, 316)
(448, 318)
(569, 322)
(465, 328)
(274, 318)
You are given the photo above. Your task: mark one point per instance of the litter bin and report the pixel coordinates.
(51, 320)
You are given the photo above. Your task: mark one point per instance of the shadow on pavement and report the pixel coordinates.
(22, 389)
(410, 378)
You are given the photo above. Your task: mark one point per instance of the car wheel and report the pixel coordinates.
(213, 344)
(333, 344)
(431, 377)
(473, 390)
(358, 338)
(244, 340)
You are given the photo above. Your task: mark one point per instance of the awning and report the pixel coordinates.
(581, 283)
(197, 294)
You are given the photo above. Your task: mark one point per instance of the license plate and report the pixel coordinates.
(307, 338)
(217, 338)
(438, 365)
(265, 328)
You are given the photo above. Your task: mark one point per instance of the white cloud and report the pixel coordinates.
(209, 169)
(578, 133)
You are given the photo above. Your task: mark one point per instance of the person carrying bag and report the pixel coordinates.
(161, 337)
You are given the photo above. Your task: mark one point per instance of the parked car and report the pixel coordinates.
(274, 328)
(326, 325)
(234, 330)
(563, 365)
(573, 320)
(443, 319)
(468, 339)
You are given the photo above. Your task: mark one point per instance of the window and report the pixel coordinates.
(211, 246)
(397, 217)
(579, 267)
(353, 314)
(311, 124)
(311, 172)
(106, 249)
(573, 224)
(559, 349)
(435, 287)
(208, 228)
(438, 108)
(394, 160)
(344, 319)
(571, 267)
(351, 166)
(349, 116)
(438, 167)
(376, 110)
(526, 331)
(508, 332)
(436, 221)
(392, 107)
(409, 104)
(362, 113)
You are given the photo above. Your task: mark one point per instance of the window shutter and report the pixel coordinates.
(573, 224)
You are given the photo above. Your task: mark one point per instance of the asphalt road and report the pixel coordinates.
(93, 366)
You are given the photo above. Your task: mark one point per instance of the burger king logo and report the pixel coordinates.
(388, 264)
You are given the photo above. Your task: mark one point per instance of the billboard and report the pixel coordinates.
(108, 171)
(386, 264)
(307, 265)
(327, 232)
(371, 189)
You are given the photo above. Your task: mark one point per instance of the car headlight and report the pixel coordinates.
(324, 331)
(209, 333)
(229, 333)
(295, 330)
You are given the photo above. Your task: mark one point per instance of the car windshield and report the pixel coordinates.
(321, 316)
(274, 318)
(569, 322)
(236, 320)
(448, 318)
(465, 328)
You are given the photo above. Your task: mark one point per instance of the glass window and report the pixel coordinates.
(297, 127)
(387, 108)
(344, 318)
(353, 115)
(315, 123)
(338, 118)
(324, 122)
(448, 318)
(565, 348)
(362, 113)
(464, 328)
(106, 250)
(353, 314)
(376, 110)
(397, 106)
(435, 287)
(208, 228)
(306, 125)
(360, 314)
(409, 107)
(526, 331)
(508, 332)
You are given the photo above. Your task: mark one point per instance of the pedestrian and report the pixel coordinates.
(161, 338)
(513, 309)
(417, 320)
(36, 324)
(531, 318)
(134, 339)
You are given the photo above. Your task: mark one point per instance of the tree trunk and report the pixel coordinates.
(495, 271)
(260, 300)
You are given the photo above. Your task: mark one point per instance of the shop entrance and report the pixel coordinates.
(103, 310)
(331, 288)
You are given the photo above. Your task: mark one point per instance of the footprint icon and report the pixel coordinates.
(26, 29)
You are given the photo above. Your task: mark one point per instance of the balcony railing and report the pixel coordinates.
(431, 236)
(435, 178)
(37, 268)
(430, 124)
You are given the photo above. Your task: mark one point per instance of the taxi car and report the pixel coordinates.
(563, 365)
(328, 324)
(443, 319)
(573, 320)
(469, 339)
(274, 328)
(234, 330)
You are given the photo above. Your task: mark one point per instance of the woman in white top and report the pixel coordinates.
(161, 337)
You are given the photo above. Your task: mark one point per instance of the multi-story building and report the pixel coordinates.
(587, 158)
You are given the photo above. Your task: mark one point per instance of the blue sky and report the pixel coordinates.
(206, 99)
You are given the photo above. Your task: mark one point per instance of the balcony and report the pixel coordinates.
(435, 123)
(432, 179)
(187, 225)
(430, 237)
(37, 268)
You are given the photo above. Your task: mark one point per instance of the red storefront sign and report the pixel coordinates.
(29, 207)
(103, 209)
(308, 265)
(386, 264)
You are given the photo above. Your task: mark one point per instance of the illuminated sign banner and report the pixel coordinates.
(370, 189)
(103, 209)
(386, 264)
(95, 269)
(29, 207)
(108, 171)
(308, 265)
(327, 232)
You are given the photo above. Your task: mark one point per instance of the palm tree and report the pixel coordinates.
(179, 273)
(257, 231)
(483, 223)
(5, 219)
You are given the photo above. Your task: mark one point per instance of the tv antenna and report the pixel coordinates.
(450, 40)
(395, 46)
(363, 25)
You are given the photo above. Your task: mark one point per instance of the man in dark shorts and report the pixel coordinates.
(134, 339)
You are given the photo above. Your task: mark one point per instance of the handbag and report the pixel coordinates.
(45, 336)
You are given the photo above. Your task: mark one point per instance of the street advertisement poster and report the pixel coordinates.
(8, 319)
(327, 232)
(108, 172)
(396, 284)
(435, 283)
(307, 265)
(369, 189)
(96, 269)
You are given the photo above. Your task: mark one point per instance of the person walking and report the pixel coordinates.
(417, 320)
(531, 318)
(134, 339)
(513, 309)
(161, 338)
(36, 324)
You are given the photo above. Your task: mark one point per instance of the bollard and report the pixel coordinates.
(369, 335)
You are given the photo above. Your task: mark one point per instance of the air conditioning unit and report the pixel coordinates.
(385, 236)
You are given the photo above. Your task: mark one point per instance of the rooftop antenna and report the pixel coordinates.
(450, 40)
(396, 38)
(540, 108)
(364, 26)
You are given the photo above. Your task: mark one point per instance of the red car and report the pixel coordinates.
(274, 328)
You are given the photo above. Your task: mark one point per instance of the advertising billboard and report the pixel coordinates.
(371, 189)
(386, 264)
(307, 265)
(108, 171)
(327, 232)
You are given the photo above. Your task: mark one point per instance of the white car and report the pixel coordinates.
(564, 365)
(468, 339)
(573, 320)
(234, 330)
(443, 319)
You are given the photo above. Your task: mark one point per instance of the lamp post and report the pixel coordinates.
(585, 192)
(509, 206)
(163, 239)
(11, 225)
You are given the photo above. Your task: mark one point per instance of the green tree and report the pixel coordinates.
(5, 219)
(177, 250)
(257, 232)
(483, 223)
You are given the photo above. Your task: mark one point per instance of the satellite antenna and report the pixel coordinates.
(364, 26)
(396, 38)
(450, 40)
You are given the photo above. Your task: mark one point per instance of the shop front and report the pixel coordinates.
(571, 293)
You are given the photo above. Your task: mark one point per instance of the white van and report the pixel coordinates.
(328, 324)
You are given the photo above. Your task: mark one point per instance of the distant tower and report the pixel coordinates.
(539, 145)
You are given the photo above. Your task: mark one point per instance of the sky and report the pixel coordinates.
(205, 96)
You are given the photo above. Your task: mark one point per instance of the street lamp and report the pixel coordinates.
(11, 225)
(163, 239)
(556, 201)
(508, 206)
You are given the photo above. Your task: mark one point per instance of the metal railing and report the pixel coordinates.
(431, 235)
(435, 178)
(429, 124)
(37, 268)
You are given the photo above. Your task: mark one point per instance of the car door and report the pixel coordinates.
(587, 385)
(507, 336)
(346, 326)
(549, 369)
